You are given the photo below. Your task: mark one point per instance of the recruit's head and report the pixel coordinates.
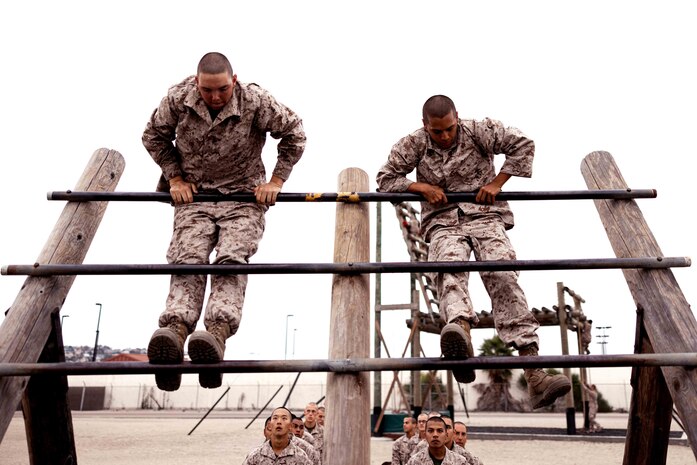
(440, 120)
(215, 80)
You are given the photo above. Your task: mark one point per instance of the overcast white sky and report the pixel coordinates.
(575, 76)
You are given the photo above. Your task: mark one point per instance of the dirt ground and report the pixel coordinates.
(161, 438)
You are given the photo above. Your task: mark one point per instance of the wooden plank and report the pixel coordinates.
(650, 410)
(47, 417)
(486, 320)
(347, 431)
(668, 320)
(27, 326)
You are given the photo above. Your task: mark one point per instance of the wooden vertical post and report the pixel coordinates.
(450, 393)
(583, 377)
(561, 312)
(377, 376)
(347, 435)
(668, 321)
(27, 327)
(48, 421)
(650, 396)
(416, 352)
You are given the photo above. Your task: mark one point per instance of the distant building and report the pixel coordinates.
(127, 358)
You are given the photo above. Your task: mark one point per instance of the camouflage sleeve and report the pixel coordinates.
(158, 138)
(284, 124)
(518, 149)
(249, 460)
(396, 460)
(473, 459)
(302, 458)
(403, 159)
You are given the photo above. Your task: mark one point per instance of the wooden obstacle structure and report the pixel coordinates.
(664, 361)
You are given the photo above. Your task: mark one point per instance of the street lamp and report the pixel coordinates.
(603, 341)
(285, 347)
(96, 339)
(62, 318)
(295, 330)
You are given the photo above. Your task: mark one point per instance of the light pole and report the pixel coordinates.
(62, 318)
(604, 337)
(285, 348)
(295, 330)
(96, 339)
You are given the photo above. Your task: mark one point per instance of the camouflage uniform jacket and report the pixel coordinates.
(423, 458)
(317, 434)
(311, 452)
(222, 154)
(401, 450)
(466, 167)
(264, 455)
(307, 437)
(470, 459)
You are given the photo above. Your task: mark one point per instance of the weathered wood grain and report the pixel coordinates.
(347, 430)
(669, 323)
(27, 326)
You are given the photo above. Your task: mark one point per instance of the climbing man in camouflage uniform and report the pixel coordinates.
(402, 447)
(207, 136)
(456, 155)
(279, 449)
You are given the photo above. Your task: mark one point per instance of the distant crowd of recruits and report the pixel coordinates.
(291, 440)
(431, 438)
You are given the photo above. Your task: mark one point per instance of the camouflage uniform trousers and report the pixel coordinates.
(234, 231)
(401, 450)
(486, 236)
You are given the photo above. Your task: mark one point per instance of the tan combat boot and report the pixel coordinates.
(167, 347)
(543, 388)
(209, 347)
(456, 343)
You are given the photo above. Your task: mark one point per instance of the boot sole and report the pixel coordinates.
(555, 390)
(164, 350)
(454, 345)
(203, 349)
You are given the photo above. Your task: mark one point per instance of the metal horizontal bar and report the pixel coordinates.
(347, 268)
(351, 197)
(351, 365)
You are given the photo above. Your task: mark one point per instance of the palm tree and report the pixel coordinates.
(496, 395)
(495, 347)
